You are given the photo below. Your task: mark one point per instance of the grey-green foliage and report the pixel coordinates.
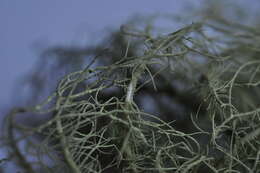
(202, 80)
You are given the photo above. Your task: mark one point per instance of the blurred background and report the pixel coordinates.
(29, 27)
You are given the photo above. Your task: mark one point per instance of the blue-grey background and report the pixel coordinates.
(28, 26)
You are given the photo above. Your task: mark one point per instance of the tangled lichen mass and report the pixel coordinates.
(98, 122)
